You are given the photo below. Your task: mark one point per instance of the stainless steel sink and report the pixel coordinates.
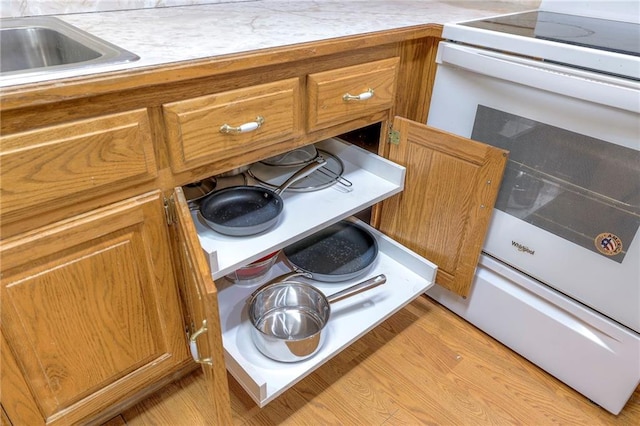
(44, 44)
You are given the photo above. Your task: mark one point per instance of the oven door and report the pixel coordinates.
(568, 211)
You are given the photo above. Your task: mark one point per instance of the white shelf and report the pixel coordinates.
(373, 177)
(408, 276)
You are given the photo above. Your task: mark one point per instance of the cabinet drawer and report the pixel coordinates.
(195, 126)
(408, 276)
(373, 179)
(75, 161)
(344, 94)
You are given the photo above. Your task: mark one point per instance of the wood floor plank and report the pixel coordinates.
(367, 392)
(424, 386)
(423, 366)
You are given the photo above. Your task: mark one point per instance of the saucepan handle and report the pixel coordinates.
(358, 288)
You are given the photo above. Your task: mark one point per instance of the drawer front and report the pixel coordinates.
(195, 127)
(62, 164)
(345, 94)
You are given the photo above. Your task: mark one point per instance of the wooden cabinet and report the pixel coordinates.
(90, 312)
(45, 168)
(112, 293)
(199, 295)
(444, 211)
(442, 208)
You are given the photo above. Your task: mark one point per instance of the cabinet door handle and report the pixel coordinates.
(361, 97)
(243, 128)
(194, 347)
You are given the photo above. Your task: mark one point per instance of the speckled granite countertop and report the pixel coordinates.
(175, 34)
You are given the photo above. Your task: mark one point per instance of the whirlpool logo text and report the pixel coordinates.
(522, 248)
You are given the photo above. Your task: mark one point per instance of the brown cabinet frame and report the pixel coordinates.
(34, 107)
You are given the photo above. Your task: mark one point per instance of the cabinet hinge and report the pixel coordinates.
(394, 136)
(170, 210)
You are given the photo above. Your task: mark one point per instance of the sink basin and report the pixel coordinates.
(44, 44)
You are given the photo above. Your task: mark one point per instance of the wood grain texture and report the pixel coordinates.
(90, 310)
(74, 161)
(325, 91)
(415, 78)
(109, 83)
(4, 419)
(16, 396)
(444, 211)
(200, 302)
(424, 365)
(193, 125)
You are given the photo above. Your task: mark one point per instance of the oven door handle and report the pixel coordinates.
(589, 86)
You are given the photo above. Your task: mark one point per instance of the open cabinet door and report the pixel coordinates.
(443, 213)
(200, 300)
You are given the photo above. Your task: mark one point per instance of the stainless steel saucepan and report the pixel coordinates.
(288, 317)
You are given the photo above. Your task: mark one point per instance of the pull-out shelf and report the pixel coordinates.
(408, 275)
(373, 179)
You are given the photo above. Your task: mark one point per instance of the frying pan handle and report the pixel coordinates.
(358, 288)
(317, 162)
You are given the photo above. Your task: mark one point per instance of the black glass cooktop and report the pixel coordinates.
(602, 34)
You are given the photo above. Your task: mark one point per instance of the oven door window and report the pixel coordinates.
(579, 188)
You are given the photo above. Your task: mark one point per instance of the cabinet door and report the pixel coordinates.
(90, 313)
(201, 305)
(444, 211)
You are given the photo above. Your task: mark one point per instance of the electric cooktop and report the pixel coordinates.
(601, 34)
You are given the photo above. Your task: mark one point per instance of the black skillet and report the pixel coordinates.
(248, 210)
(339, 252)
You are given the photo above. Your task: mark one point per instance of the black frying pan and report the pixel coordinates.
(248, 210)
(339, 252)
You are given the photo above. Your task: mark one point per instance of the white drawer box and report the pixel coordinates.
(373, 177)
(408, 276)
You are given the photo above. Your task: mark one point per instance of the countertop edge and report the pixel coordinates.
(51, 91)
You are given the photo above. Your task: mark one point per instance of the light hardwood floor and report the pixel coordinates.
(424, 365)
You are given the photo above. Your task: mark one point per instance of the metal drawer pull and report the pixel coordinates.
(361, 97)
(194, 347)
(243, 128)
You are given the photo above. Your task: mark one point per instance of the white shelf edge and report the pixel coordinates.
(374, 179)
(409, 275)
